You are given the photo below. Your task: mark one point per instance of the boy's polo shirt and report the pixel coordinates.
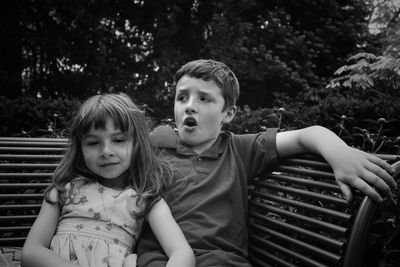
(208, 197)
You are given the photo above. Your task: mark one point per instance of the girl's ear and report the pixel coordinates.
(230, 114)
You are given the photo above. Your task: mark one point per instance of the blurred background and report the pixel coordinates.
(299, 62)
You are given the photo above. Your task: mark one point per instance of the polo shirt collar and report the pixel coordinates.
(213, 152)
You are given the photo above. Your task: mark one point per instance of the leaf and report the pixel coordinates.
(341, 70)
(367, 56)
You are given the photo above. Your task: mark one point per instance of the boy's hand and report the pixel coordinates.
(352, 167)
(363, 171)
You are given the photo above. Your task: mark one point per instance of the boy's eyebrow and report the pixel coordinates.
(181, 90)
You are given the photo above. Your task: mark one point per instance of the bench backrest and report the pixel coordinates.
(26, 166)
(297, 215)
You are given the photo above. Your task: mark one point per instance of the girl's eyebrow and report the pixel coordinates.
(114, 133)
(85, 136)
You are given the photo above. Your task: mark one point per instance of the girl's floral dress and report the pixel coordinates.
(97, 226)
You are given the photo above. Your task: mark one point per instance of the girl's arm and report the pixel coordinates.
(36, 250)
(352, 167)
(170, 236)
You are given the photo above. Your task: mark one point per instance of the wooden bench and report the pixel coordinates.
(297, 215)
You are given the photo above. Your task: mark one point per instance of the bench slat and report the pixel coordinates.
(298, 204)
(32, 144)
(34, 139)
(14, 157)
(303, 260)
(32, 150)
(24, 185)
(305, 182)
(309, 220)
(303, 193)
(285, 227)
(20, 206)
(18, 218)
(35, 166)
(307, 172)
(262, 256)
(14, 228)
(34, 175)
(20, 196)
(12, 241)
(308, 248)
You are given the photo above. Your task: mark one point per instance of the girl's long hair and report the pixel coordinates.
(149, 175)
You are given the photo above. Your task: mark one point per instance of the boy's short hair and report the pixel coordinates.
(208, 69)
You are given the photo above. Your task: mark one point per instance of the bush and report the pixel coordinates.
(36, 117)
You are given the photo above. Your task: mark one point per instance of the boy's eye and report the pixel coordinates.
(205, 99)
(181, 98)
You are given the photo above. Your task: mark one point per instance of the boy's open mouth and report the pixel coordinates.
(190, 122)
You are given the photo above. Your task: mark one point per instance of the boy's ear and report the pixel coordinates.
(230, 114)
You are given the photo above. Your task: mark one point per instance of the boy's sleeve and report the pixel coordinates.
(257, 152)
(164, 137)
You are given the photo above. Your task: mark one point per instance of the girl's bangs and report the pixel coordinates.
(99, 115)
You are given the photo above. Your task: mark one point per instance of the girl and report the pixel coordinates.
(108, 181)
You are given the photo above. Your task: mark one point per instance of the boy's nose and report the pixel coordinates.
(190, 106)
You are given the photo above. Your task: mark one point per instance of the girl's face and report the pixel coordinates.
(107, 152)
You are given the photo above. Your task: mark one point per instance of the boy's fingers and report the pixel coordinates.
(367, 189)
(382, 163)
(378, 183)
(382, 174)
(346, 190)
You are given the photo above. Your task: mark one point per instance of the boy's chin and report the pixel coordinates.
(187, 140)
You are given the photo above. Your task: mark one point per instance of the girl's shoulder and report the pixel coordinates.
(79, 181)
(53, 195)
(75, 184)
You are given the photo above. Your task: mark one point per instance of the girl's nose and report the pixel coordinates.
(106, 150)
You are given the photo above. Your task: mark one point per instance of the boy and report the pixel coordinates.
(212, 168)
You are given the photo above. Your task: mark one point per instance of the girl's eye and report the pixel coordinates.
(92, 143)
(121, 138)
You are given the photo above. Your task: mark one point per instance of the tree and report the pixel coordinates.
(78, 48)
(384, 24)
(10, 47)
(272, 46)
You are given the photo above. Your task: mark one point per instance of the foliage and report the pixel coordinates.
(384, 24)
(36, 117)
(79, 48)
(367, 71)
(270, 47)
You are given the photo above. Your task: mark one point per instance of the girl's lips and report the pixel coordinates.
(108, 164)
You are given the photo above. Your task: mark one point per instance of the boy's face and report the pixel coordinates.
(199, 113)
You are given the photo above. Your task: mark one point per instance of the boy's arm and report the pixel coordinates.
(170, 236)
(36, 250)
(352, 167)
